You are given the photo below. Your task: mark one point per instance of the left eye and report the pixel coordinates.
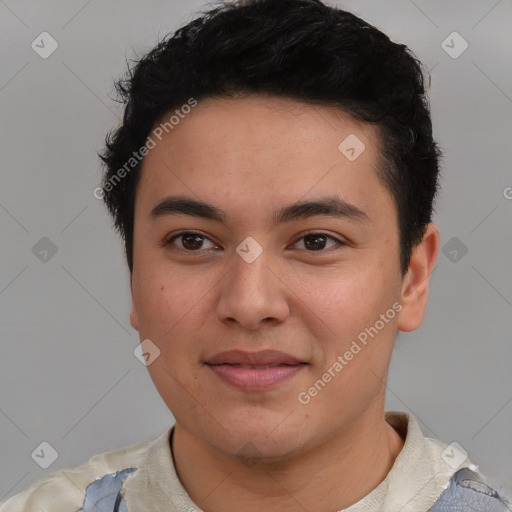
(317, 241)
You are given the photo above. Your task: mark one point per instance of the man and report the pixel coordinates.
(273, 180)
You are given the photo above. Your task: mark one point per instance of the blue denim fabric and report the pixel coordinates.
(104, 494)
(468, 492)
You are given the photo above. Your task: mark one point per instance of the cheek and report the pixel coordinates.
(344, 300)
(347, 309)
(175, 314)
(161, 302)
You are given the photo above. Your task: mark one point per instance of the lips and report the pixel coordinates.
(262, 358)
(254, 371)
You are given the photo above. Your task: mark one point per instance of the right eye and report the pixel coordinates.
(191, 241)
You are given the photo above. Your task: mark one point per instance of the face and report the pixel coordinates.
(259, 303)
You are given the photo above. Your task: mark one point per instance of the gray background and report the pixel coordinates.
(68, 373)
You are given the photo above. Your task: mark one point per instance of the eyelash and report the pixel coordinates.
(170, 241)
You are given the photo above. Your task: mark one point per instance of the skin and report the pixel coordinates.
(264, 450)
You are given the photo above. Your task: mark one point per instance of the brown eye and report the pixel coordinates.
(190, 241)
(315, 241)
(318, 241)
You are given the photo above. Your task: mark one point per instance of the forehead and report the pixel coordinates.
(259, 152)
(284, 126)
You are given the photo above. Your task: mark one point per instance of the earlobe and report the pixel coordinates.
(415, 283)
(134, 318)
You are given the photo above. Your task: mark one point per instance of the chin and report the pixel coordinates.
(251, 450)
(272, 436)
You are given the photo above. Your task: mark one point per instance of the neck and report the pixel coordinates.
(332, 476)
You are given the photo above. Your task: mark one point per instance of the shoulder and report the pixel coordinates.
(75, 489)
(468, 491)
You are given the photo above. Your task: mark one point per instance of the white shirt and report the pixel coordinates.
(419, 475)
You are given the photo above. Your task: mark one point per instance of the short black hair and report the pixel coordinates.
(298, 49)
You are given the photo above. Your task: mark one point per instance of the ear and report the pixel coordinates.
(134, 317)
(415, 283)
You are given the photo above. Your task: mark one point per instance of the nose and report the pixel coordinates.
(252, 294)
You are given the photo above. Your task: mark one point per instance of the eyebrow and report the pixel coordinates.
(331, 206)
